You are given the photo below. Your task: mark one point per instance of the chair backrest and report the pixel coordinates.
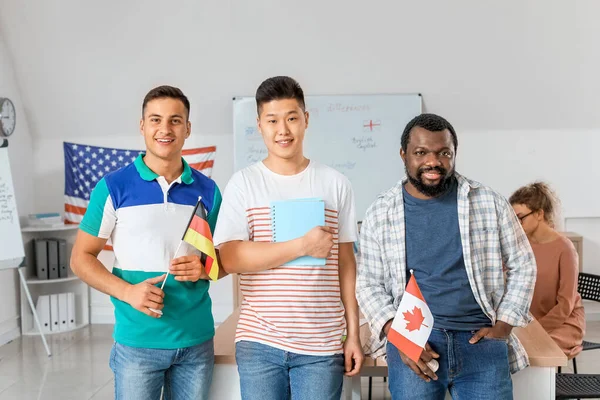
(588, 286)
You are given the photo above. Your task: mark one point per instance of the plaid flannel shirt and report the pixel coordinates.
(491, 236)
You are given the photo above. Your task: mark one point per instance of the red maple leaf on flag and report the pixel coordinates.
(414, 319)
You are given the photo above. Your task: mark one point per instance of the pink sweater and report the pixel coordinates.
(556, 303)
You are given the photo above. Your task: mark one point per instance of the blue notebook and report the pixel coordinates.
(291, 219)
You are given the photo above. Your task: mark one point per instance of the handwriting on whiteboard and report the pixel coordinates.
(255, 154)
(340, 107)
(7, 206)
(364, 143)
(252, 133)
(343, 167)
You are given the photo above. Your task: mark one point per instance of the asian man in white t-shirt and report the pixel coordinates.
(298, 331)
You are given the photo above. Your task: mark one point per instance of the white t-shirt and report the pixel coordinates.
(292, 308)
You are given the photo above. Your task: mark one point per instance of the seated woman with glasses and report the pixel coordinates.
(556, 303)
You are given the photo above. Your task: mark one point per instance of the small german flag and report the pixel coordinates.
(198, 235)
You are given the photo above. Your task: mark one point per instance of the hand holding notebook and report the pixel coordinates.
(292, 219)
(318, 241)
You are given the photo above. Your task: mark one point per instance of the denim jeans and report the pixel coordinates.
(267, 373)
(140, 373)
(468, 371)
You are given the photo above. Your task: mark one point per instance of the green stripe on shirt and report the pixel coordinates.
(214, 212)
(92, 220)
(186, 321)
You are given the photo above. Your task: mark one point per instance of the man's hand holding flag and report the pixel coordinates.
(192, 268)
(410, 331)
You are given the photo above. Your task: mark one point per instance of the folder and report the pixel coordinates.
(52, 259)
(63, 313)
(63, 266)
(291, 219)
(54, 318)
(42, 308)
(71, 323)
(41, 258)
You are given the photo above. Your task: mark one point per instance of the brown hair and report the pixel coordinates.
(165, 91)
(538, 196)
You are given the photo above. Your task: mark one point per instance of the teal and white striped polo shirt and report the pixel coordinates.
(145, 218)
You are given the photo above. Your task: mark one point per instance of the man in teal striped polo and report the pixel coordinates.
(144, 209)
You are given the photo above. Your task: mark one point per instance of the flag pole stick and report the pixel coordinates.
(175, 256)
(163, 284)
(177, 251)
(433, 364)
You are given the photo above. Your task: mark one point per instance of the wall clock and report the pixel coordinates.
(8, 117)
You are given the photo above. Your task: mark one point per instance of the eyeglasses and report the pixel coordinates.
(522, 217)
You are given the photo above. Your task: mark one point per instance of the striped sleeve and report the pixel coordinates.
(100, 216)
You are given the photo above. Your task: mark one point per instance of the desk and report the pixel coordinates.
(534, 383)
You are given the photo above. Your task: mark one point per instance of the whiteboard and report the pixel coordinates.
(359, 135)
(11, 242)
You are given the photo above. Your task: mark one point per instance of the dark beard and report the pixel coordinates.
(431, 190)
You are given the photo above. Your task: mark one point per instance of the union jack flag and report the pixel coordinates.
(86, 165)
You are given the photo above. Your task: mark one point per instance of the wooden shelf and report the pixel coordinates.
(50, 228)
(35, 332)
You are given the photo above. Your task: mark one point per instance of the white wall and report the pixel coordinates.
(519, 69)
(21, 165)
(516, 64)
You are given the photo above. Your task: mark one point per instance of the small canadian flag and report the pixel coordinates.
(413, 323)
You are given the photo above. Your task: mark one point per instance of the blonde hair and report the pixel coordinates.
(538, 196)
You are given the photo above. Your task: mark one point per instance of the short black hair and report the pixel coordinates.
(431, 122)
(166, 91)
(279, 88)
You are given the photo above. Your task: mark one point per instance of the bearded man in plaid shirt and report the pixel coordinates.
(456, 235)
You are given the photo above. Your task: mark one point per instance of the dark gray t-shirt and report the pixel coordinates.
(434, 251)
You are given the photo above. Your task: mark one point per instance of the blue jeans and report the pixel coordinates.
(468, 371)
(140, 373)
(267, 373)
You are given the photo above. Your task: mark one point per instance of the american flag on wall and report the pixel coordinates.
(86, 165)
